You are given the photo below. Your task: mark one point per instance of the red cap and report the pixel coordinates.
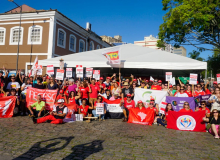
(108, 77)
(151, 98)
(215, 82)
(170, 86)
(134, 80)
(128, 95)
(147, 81)
(61, 91)
(140, 101)
(101, 78)
(159, 81)
(48, 77)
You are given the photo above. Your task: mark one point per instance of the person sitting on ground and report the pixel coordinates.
(37, 109)
(127, 104)
(84, 109)
(56, 116)
(214, 120)
(182, 93)
(155, 85)
(186, 108)
(39, 84)
(61, 96)
(215, 99)
(99, 100)
(203, 108)
(163, 121)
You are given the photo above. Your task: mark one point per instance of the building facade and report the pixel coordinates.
(44, 33)
(115, 39)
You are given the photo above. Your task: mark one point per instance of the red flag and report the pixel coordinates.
(117, 101)
(34, 66)
(144, 116)
(7, 105)
(186, 121)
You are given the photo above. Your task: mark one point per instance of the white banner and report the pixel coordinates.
(50, 69)
(96, 74)
(78, 117)
(69, 72)
(115, 108)
(168, 76)
(39, 70)
(173, 81)
(79, 71)
(89, 72)
(60, 74)
(146, 94)
(193, 78)
(99, 108)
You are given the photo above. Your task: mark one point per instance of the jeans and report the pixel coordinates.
(161, 121)
(97, 115)
(36, 113)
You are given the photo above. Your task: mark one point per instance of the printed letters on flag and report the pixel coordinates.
(186, 121)
(7, 105)
(113, 55)
(144, 116)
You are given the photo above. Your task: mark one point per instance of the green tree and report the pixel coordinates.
(195, 55)
(190, 22)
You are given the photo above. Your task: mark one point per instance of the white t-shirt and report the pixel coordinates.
(25, 87)
(13, 85)
(181, 95)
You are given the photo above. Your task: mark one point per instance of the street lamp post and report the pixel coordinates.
(19, 32)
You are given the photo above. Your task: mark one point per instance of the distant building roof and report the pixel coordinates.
(25, 8)
(118, 44)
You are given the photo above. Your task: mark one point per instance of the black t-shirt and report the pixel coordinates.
(212, 120)
(39, 86)
(60, 111)
(55, 86)
(126, 91)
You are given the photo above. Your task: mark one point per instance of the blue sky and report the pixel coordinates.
(131, 19)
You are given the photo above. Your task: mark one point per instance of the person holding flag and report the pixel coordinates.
(186, 108)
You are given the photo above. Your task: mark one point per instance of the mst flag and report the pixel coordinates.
(113, 55)
(186, 121)
(144, 116)
(7, 105)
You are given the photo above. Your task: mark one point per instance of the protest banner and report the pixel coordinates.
(78, 117)
(201, 98)
(39, 70)
(162, 107)
(218, 78)
(69, 72)
(144, 116)
(193, 78)
(79, 71)
(7, 105)
(99, 108)
(177, 102)
(50, 69)
(146, 94)
(48, 96)
(173, 81)
(33, 68)
(96, 74)
(60, 74)
(184, 79)
(113, 55)
(186, 121)
(168, 76)
(89, 72)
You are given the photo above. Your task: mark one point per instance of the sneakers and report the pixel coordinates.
(34, 120)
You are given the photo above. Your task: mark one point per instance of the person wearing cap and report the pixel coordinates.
(127, 104)
(13, 84)
(155, 105)
(61, 96)
(143, 85)
(101, 84)
(215, 84)
(56, 116)
(37, 109)
(127, 90)
(151, 106)
(39, 84)
(140, 105)
(155, 85)
(159, 82)
(108, 83)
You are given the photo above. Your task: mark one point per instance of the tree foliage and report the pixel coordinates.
(214, 62)
(190, 22)
(195, 55)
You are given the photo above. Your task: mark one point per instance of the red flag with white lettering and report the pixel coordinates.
(7, 105)
(143, 116)
(186, 121)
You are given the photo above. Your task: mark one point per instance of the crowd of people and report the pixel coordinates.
(86, 93)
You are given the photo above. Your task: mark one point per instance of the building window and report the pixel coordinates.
(61, 40)
(14, 36)
(72, 43)
(81, 45)
(91, 46)
(35, 35)
(98, 47)
(2, 35)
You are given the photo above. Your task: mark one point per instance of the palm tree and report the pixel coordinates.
(195, 55)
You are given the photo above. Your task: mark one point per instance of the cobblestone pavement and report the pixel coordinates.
(112, 139)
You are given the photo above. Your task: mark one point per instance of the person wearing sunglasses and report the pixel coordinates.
(127, 104)
(155, 85)
(156, 111)
(214, 120)
(215, 100)
(102, 116)
(182, 93)
(186, 108)
(203, 108)
(198, 91)
(13, 84)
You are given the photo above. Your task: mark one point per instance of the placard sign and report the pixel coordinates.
(69, 72)
(193, 78)
(89, 72)
(60, 74)
(96, 74)
(218, 78)
(79, 71)
(50, 69)
(39, 69)
(78, 117)
(168, 76)
(99, 108)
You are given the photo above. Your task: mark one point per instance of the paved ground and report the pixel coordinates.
(112, 139)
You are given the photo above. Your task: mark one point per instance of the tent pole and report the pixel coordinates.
(205, 76)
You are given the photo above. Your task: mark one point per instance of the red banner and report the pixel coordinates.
(48, 96)
(144, 116)
(186, 121)
(7, 105)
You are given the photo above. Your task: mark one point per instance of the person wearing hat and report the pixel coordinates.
(127, 90)
(101, 84)
(155, 105)
(108, 83)
(61, 96)
(160, 83)
(140, 105)
(127, 104)
(155, 85)
(37, 109)
(56, 116)
(151, 106)
(143, 85)
(215, 84)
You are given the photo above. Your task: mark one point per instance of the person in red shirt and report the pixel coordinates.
(95, 89)
(163, 121)
(203, 108)
(155, 85)
(186, 108)
(84, 109)
(156, 111)
(108, 83)
(61, 96)
(198, 91)
(101, 84)
(72, 100)
(128, 103)
(85, 90)
(188, 91)
(140, 105)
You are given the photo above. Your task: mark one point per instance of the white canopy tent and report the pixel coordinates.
(132, 57)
